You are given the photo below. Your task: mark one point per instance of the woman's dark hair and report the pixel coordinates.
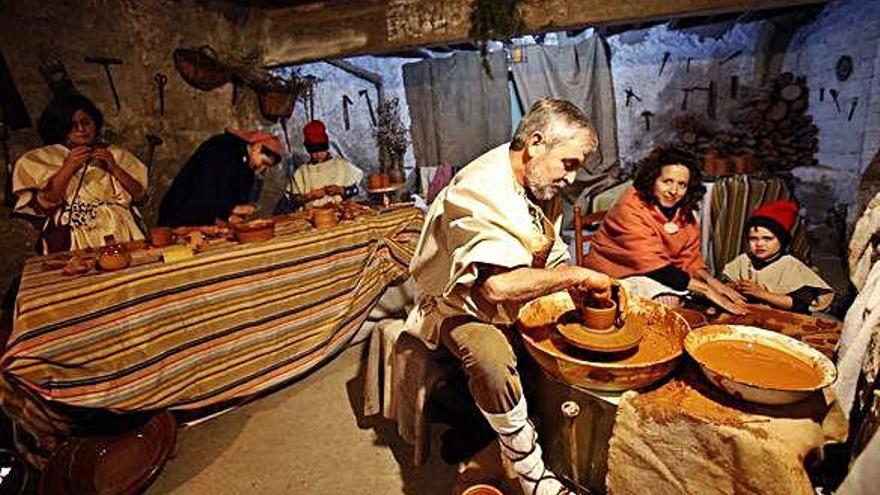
(57, 119)
(649, 170)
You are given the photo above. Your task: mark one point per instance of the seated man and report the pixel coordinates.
(217, 180)
(491, 243)
(324, 179)
(766, 273)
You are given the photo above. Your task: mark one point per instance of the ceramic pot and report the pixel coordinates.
(374, 181)
(482, 490)
(599, 318)
(325, 217)
(113, 257)
(161, 236)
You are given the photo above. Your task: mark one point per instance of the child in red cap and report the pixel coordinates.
(324, 179)
(767, 274)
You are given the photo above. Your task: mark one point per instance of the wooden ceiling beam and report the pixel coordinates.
(323, 29)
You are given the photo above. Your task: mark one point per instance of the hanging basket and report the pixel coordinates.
(200, 68)
(277, 98)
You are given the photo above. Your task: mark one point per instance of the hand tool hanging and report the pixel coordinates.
(107, 62)
(153, 142)
(346, 102)
(630, 94)
(852, 108)
(161, 80)
(834, 94)
(647, 114)
(366, 94)
(663, 64)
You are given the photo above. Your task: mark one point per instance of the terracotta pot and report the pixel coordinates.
(113, 257)
(325, 217)
(599, 318)
(482, 490)
(386, 180)
(161, 236)
(378, 181)
(255, 230)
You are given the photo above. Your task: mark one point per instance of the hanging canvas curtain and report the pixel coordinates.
(457, 111)
(581, 74)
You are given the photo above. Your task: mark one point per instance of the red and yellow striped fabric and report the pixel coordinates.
(230, 322)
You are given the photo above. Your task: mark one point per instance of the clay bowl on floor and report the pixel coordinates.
(759, 365)
(254, 230)
(658, 353)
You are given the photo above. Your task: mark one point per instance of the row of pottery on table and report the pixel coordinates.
(746, 362)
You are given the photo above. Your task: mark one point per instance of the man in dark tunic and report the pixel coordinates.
(217, 180)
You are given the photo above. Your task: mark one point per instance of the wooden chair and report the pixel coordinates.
(590, 221)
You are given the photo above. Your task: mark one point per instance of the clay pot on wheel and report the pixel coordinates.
(600, 318)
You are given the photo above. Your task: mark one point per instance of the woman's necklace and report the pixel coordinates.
(670, 227)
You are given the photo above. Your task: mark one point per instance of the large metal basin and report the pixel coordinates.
(661, 348)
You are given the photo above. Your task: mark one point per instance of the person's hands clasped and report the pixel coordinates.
(105, 158)
(78, 157)
(749, 288)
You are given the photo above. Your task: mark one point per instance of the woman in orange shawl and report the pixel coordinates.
(650, 239)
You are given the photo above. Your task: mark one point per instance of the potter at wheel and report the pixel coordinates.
(597, 323)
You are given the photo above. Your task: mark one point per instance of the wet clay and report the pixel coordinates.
(758, 364)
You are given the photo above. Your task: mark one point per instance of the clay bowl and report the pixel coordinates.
(161, 236)
(254, 230)
(599, 319)
(112, 261)
(661, 348)
(728, 381)
(482, 490)
(325, 217)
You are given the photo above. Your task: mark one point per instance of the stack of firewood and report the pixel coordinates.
(771, 132)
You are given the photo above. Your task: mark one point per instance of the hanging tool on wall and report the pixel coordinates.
(161, 80)
(107, 62)
(852, 109)
(666, 56)
(366, 94)
(647, 114)
(346, 118)
(730, 57)
(687, 68)
(734, 86)
(821, 94)
(153, 142)
(834, 95)
(630, 94)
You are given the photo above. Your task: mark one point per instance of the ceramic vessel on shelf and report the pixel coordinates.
(378, 181)
(113, 256)
(759, 365)
(325, 217)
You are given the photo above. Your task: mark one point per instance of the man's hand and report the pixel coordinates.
(314, 194)
(333, 190)
(749, 288)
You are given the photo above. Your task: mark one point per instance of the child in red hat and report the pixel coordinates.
(767, 274)
(324, 179)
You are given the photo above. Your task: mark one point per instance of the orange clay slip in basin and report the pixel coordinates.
(759, 365)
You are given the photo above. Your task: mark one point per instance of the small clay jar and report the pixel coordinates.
(113, 256)
(374, 181)
(325, 217)
(482, 490)
(161, 236)
(596, 318)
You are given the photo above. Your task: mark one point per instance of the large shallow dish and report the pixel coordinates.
(753, 392)
(658, 353)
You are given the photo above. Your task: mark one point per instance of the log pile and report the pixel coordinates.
(770, 132)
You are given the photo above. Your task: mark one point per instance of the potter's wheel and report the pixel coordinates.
(614, 339)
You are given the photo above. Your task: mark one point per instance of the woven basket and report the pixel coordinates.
(277, 98)
(200, 68)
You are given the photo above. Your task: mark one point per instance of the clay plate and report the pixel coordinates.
(111, 465)
(582, 337)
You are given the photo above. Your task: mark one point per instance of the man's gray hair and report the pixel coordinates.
(554, 118)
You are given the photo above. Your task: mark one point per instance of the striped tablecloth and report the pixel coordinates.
(232, 321)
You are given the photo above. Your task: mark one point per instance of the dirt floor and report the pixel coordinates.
(308, 438)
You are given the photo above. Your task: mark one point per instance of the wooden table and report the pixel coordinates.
(230, 322)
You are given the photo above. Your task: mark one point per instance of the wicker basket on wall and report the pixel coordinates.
(200, 67)
(277, 97)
